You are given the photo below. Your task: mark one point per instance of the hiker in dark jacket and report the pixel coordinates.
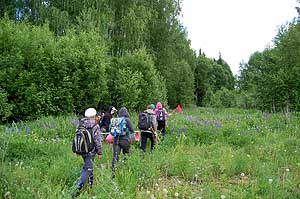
(150, 133)
(121, 142)
(89, 121)
(104, 125)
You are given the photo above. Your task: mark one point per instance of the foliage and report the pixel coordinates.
(50, 76)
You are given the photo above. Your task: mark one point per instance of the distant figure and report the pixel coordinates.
(90, 124)
(148, 126)
(161, 116)
(104, 124)
(120, 128)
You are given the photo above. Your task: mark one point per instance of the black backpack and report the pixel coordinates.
(160, 115)
(83, 141)
(144, 121)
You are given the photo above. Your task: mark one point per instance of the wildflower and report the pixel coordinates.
(6, 194)
(156, 184)
(148, 192)
(270, 180)
(223, 197)
(172, 130)
(178, 130)
(287, 170)
(165, 191)
(94, 197)
(121, 193)
(176, 194)
(184, 131)
(242, 174)
(27, 130)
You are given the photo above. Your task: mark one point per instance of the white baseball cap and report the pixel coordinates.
(90, 112)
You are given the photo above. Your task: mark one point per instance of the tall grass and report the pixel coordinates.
(207, 153)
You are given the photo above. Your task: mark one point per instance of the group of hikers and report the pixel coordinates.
(94, 127)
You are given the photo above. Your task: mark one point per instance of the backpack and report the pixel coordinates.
(160, 115)
(144, 122)
(83, 142)
(118, 126)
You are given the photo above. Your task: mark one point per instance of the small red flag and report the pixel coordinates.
(179, 109)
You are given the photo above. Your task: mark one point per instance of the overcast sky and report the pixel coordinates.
(236, 28)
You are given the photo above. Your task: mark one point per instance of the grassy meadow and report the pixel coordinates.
(206, 153)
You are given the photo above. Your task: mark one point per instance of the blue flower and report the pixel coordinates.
(27, 130)
(184, 131)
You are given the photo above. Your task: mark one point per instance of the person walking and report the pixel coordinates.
(161, 116)
(90, 123)
(120, 128)
(148, 127)
(104, 124)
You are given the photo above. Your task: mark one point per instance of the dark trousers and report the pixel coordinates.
(161, 125)
(144, 136)
(120, 143)
(87, 170)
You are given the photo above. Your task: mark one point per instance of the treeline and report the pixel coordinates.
(271, 79)
(61, 56)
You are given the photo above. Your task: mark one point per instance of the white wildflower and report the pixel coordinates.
(165, 190)
(287, 170)
(6, 194)
(148, 192)
(223, 197)
(270, 181)
(176, 194)
(242, 174)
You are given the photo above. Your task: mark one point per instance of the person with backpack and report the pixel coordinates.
(148, 126)
(87, 143)
(104, 125)
(161, 116)
(120, 127)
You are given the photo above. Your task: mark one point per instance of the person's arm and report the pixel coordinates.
(166, 113)
(129, 125)
(154, 123)
(97, 139)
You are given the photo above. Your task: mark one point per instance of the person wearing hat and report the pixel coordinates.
(105, 122)
(90, 122)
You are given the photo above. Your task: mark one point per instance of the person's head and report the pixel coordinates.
(158, 105)
(113, 110)
(152, 106)
(124, 112)
(90, 113)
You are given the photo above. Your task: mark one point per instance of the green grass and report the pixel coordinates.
(206, 153)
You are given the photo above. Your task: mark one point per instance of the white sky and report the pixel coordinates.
(236, 28)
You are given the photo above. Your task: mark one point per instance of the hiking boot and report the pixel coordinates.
(76, 193)
(113, 175)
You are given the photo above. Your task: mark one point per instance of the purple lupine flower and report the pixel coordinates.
(178, 131)
(6, 130)
(57, 140)
(39, 125)
(12, 129)
(184, 131)
(199, 124)
(27, 130)
(172, 131)
(211, 123)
